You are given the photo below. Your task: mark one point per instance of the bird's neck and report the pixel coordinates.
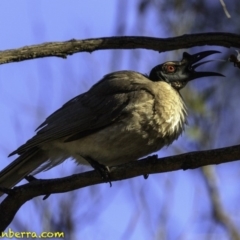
(171, 112)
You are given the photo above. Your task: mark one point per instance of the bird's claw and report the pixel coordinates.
(102, 169)
(31, 178)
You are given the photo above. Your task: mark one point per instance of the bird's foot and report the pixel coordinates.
(102, 169)
(31, 178)
(7, 191)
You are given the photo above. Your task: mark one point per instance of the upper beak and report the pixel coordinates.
(189, 60)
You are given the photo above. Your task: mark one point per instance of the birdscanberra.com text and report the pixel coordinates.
(11, 234)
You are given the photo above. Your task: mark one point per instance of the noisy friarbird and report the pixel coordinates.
(123, 117)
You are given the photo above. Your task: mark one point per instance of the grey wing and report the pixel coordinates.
(101, 106)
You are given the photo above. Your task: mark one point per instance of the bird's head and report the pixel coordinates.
(179, 73)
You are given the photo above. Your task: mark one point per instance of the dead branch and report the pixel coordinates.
(63, 49)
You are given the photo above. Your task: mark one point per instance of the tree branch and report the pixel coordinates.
(19, 195)
(63, 49)
(219, 213)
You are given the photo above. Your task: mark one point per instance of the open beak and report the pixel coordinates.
(189, 60)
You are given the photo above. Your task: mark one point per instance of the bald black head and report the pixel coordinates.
(179, 73)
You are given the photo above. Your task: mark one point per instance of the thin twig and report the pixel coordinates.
(225, 9)
(219, 213)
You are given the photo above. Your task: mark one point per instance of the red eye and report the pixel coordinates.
(170, 68)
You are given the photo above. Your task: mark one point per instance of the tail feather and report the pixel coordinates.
(21, 167)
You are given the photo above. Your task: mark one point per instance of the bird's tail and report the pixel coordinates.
(21, 167)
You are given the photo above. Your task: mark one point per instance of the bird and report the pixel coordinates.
(123, 117)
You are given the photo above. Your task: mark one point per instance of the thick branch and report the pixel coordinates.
(20, 195)
(62, 49)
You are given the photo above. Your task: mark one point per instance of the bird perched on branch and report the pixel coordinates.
(123, 117)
